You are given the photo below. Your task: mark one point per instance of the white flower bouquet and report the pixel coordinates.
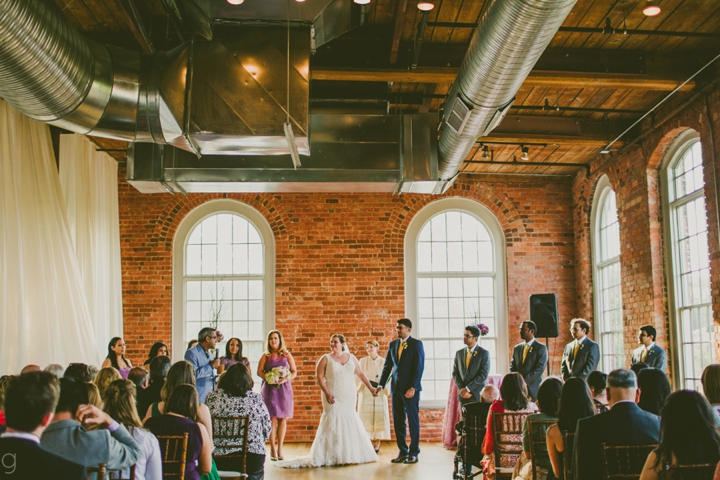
(277, 375)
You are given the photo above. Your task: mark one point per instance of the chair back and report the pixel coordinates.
(700, 471)
(538, 445)
(96, 472)
(118, 474)
(625, 461)
(507, 430)
(232, 432)
(567, 456)
(174, 455)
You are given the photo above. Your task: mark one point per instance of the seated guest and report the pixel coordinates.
(110, 443)
(158, 349)
(548, 397)
(29, 405)
(638, 367)
(181, 417)
(575, 403)
(233, 355)
(158, 371)
(711, 387)
(105, 377)
(687, 434)
(139, 376)
(30, 368)
(93, 395)
(191, 343)
(654, 389)
(119, 403)
(597, 382)
(4, 382)
(79, 372)
(56, 369)
(624, 424)
(234, 398)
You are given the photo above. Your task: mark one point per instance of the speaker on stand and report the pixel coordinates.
(543, 312)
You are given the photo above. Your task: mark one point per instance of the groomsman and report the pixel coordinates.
(471, 367)
(582, 355)
(404, 367)
(529, 358)
(648, 352)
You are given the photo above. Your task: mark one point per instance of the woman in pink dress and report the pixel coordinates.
(116, 357)
(277, 369)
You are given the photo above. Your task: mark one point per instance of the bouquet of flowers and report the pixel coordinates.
(484, 330)
(277, 375)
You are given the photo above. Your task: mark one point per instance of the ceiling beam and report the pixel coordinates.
(400, 9)
(133, 18)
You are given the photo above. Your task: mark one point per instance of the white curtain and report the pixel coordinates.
(44, 317)
(89, 184)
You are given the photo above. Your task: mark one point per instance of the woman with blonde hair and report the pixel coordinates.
(93, 393)
(373, 410)
(119, 403)
(277, 369)
(105, 377)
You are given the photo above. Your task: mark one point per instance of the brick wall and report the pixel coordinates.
(340, 267)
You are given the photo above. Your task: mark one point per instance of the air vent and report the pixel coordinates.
(459, 115)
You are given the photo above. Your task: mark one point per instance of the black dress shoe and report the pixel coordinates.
(411, 459)
(400, 459)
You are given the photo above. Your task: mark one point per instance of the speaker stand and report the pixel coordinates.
(547, 345)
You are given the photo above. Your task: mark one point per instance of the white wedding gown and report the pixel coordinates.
(341, 437)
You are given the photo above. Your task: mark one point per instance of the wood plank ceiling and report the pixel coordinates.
(588, 86)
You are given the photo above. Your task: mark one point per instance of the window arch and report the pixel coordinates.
(606, 275)
(455, 276)
(688, 259)
(224, 271)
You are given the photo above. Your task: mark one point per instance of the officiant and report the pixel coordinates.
(373, 411)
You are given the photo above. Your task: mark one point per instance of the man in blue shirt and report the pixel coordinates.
(204, 364)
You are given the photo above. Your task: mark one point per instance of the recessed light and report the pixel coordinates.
(235, 2)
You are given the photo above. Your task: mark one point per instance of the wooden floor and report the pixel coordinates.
(435, 463)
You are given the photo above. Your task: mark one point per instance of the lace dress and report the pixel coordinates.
(341, 437)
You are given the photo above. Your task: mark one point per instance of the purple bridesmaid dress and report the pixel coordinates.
(278, 398)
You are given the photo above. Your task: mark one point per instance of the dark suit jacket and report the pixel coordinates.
(25, 459)
(656, 357)
(407, 372)
(587, 360)
(473, 377)
(534, 366)
(624, 424)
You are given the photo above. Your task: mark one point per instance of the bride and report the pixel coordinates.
(341, 437)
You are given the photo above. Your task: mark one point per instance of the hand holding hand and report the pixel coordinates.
(374, 391)
(91, 415)
(465, 393)
(410, 393)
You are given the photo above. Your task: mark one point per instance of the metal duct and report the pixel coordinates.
(509, 40)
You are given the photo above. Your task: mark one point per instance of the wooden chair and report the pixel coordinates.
(625, 461)
(117, 474)
(98, 472)
(102, 470)
(567, 454)
(232, 432)
(700, 471)
(507, 431)
(174, 455)
(538, 446)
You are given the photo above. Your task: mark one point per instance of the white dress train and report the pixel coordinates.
(341, 437)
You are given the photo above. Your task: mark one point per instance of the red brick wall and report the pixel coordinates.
(340, 267)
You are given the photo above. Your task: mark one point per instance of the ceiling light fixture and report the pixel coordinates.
(235, 2)
(362, 2)
(525, 150)
(651, 8)
(425, 6)
(486, 152)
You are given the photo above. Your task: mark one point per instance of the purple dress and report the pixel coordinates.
(278, 398)
(174, 425)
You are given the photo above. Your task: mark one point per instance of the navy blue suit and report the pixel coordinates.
(25, 459)
(405, 374)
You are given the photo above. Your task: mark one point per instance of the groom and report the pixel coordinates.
(404, 364)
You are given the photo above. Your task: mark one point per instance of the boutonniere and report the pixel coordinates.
(474, 352)
(529, 349)
(649, 352)
(582, 345)
(404, 345)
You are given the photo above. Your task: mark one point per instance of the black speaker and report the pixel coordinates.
(543, 311)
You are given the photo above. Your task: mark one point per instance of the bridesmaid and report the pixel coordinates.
(116, 357)
(373, 410)
(233, 355)
(278, 396)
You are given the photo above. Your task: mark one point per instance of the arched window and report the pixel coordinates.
(607, 281)
(224, 275)
(454, 276)
(689, 260)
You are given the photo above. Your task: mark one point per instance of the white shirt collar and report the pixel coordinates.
(581, 340)
(22, 436)
(530, 342)
(473, 348)
(650, 346)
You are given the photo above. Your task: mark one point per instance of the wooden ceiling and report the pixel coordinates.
(586, 89)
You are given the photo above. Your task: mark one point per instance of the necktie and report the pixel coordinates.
(468, 356)
(575, 350)
(643, 355)
(525, 350)
(400, 350)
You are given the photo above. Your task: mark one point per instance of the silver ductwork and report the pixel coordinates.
(510, 37)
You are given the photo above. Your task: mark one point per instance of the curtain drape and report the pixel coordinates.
(89, 185)
(44, 317)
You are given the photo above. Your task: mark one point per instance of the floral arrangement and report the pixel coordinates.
(277, 375)
(484, 330)
(219, 336)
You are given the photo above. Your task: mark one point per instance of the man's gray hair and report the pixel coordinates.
(205, 332)
(489, 393)
(622, 378)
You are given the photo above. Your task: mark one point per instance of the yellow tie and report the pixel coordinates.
(525, 350)
(643, 355)
(468, 356)
(400, 350)
(577, 347)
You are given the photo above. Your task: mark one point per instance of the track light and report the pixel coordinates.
(425, 6)
(651, 8)
(486, 152)
(235, 2)
(525, 150)
(362, 2)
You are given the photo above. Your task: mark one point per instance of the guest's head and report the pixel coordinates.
(157, 349)
(527, 330)
(275, 343)
(579, 328)
(711, 383)
(93, 371)
(78, 372)
(639, 367)
(514, 393)
(489, 394)
(234, 349)
(236, 381)
(30, 368)
(4, 383)
(180, 373)
(687, 430)
(159, 367)
(207, 337)
(30, 401)
(119, 403)
(93, 394)
(654, 389)
(104, 377)
(575, 403)
(621, 386)
(56, 369)
(139, 376)
(548, 396)
(647, 335)
(72, 395)
(597, 381)
(183, 401)
(116, 349)
(192, 343)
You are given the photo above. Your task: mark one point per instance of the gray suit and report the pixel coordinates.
(655, 358)
(68, 439)
(587, 360)
(472, 377)
(533, 367)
